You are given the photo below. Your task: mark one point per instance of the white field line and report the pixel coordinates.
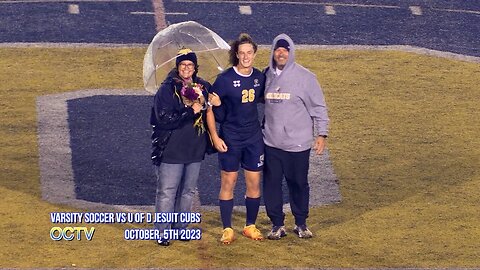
(60, 1)
(287, 2)
(70, 45)
(320, 4)
(142, 13)
(153, 13)
(176, 13)
(404, 48)
(458, 10)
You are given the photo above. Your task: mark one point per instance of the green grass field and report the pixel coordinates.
(404, 143)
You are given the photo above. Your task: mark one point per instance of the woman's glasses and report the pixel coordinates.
(189, 65)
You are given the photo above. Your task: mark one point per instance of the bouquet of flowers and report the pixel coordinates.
(192, 93)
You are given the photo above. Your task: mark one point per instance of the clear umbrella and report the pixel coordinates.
(211, 50)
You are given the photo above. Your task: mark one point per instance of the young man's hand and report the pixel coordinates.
(214, 99)
(220, 145)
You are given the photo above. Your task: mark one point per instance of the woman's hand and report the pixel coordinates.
(196, 107)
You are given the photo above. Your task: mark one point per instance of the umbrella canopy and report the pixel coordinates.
(211, 50)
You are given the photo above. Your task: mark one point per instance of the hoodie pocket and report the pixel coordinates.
(298, 137)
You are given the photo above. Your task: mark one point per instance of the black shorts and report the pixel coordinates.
(249, 156)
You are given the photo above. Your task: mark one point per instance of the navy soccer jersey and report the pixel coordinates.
(239, 95)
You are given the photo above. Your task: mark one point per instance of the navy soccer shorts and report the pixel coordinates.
(250, 156)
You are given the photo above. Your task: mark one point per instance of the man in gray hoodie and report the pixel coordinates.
(294, 106)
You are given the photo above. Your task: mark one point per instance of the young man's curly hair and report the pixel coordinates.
(242, 39)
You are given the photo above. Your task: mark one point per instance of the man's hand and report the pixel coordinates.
(214, 99)
(220, 145)
(319, 145)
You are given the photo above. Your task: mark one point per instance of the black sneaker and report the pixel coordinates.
(302, 231)
(163, 242)
(277, 232)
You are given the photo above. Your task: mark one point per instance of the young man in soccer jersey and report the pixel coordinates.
(240, 140)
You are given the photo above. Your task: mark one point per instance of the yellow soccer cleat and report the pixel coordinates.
(252, 232)
(228, 236)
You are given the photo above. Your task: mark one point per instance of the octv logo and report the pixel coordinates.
(70, 233)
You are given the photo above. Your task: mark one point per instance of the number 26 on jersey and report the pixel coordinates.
(248, 95)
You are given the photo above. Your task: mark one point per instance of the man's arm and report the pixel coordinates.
(317, 108)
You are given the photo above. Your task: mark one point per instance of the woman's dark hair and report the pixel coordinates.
(242, 39)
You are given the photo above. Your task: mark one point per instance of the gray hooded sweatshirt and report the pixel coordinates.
(294, 105)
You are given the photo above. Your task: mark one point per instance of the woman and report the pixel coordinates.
(179, 139)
